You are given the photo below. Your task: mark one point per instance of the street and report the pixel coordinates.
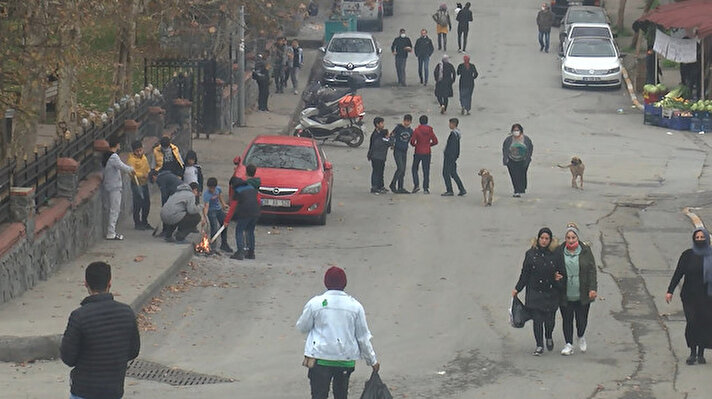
(435, 274)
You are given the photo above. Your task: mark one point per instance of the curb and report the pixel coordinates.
(696, 221)
(46, 347)
(631, 91)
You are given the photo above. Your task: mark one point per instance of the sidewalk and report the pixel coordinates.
(33, 324)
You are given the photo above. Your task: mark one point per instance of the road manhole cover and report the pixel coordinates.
(145, 370)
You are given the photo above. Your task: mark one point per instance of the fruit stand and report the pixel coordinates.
(672, 110)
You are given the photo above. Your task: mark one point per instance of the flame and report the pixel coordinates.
(203, 247)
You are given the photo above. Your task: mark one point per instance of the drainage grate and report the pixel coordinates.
(145, 370)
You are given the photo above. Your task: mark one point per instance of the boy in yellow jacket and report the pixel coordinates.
(139, 186)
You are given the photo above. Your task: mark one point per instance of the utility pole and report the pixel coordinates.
(241, 69)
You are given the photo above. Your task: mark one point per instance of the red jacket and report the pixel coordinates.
(423, 138)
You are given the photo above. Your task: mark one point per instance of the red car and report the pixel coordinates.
(296, 178)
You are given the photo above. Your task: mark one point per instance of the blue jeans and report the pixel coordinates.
(425, 159)
(423, 63)
(544, 40)
(245, 234)
(466, 97)
(400, 69)
(216, 218)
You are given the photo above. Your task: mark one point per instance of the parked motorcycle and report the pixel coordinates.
(332, 114)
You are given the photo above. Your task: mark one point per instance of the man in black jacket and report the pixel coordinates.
(423, 50)
(452, 152)
(245, 208)
(377, 152)
(101, 337)
(400, 140)
(400, 48)
(464, 17)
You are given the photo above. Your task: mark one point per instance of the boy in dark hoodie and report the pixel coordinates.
(246, 210)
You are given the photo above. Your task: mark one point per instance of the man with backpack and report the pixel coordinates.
(442, 25)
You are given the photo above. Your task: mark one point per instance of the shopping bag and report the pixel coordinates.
(375, 388)
(518, 313)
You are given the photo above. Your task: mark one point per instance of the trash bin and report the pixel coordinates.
(339, 24)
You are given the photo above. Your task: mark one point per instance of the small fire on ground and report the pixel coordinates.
(203, 247)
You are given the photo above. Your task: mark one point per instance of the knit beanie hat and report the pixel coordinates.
(335, 278)
(573, 228)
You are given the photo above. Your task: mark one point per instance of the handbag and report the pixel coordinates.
(518, 313)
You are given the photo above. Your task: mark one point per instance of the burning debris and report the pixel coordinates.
(203, 246)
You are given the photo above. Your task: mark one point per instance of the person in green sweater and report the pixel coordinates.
(575, 259)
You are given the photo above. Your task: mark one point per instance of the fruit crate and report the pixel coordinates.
(706, 125)
(653, 110)
(653, 120)
(695, 124)
(679, 123)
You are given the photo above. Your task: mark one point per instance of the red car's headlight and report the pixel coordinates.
(312, 188)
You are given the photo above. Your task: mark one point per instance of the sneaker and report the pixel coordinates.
(467, 112)
(549, 344)
(147, 226)
(250, 254)
(296, 92)
(415, 189)
(568, 350)
(447, 194)
(225, 248)
(382, 190)
(239, 255)
(538, 351)
(402, 191)
(516, 195)
(691, 360)
(582, 344)
(393, 188)
(462, 111)
(442, 109)
(701, 359)
(426, 191)
(375, 191)
(462, 193)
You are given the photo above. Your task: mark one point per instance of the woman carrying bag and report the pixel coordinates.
(575, 260)
(695, 265)
(544, 283)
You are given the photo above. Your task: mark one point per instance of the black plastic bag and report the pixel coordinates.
(518, 313)
(375, 388)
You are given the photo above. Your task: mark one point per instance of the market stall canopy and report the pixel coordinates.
(688, 14)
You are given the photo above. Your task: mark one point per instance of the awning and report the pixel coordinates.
(686, 14)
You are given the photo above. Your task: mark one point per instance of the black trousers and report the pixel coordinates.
(262, 96)
(698, 329)
(569, 312)
(450, 172)
(518, 174)
(377, 168)
(425, 159)
(462, 36)
(401, 158)
(442, 41)
(442, 100)
(320, 377)
(185, 226)
(543, 324)
(400, 69)
(141, 204)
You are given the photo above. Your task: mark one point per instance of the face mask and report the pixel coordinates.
(516, 133)
(572, 246)
(700, 243)
(543, 8)
(402, 34)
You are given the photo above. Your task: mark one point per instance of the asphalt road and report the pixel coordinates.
(435, 274)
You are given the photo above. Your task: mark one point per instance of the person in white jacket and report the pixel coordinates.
(337, 336)
(112, 184)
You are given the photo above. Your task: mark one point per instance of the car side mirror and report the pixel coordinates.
(236, 160)
(322, 49)
(379, 51)
(328, 166)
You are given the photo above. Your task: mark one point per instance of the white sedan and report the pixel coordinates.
(591, 61)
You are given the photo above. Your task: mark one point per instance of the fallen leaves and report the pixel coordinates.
(139, 258)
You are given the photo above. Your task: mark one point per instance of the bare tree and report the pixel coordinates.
(621, 15)
(127, 12)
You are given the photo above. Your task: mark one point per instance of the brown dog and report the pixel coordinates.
(576, 167)
(487, 186)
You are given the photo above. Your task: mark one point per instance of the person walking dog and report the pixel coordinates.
(337, 336)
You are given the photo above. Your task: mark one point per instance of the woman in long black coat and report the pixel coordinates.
(444, 78)
(695, 265)
(544, 281)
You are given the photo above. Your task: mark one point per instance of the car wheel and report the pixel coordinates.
(321, 219)
(564, 85)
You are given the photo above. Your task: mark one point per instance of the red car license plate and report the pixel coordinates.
(276, 202)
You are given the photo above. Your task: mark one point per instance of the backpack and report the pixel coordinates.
(440, 17)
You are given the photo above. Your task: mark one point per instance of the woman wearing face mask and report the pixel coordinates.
(695, 265)
(575, 260)
(544, 282)
(517, 152)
